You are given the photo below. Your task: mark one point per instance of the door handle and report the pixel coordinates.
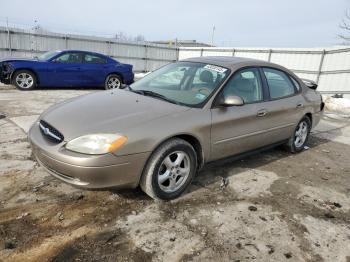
(262, 112)
(299, 105)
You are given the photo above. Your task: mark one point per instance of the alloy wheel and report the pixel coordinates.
(301, 134)
(113, 82)
(174, 171)
(24, 80)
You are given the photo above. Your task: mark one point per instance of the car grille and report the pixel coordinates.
(50, 132)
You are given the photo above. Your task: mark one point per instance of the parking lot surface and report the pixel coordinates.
(272, 206)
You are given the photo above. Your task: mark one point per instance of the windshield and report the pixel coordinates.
(48, 55)
(186, 83)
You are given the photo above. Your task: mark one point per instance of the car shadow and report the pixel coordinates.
(43, 88)
(216, 170)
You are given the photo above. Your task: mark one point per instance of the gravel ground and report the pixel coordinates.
(275, 206)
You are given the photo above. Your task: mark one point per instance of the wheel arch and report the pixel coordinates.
(193, 141)
(28, 69)
(309, 115)
(116, 73)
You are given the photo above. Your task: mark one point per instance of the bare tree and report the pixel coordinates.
(121, 36)
(140, 38)
(345, 26)
(125, 37)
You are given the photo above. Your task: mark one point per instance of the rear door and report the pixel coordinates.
(66, 70)
(285, 105)
(238, 129)
(94, 69)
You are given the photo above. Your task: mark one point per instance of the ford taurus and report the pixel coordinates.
(158, 132)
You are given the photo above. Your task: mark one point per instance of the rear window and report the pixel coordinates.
(279, 83)
(94, 59)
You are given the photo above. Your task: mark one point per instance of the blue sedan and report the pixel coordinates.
(69, 68)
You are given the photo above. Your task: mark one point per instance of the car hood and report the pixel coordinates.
(19, 59)
(106, 112)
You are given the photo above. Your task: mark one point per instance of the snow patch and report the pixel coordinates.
(25, 122)
(150, 232)
(252, 183)
(338, 105)
(330, 241)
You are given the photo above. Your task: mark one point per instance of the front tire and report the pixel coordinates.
(113, 81)
(169, 170)
(24, 80)
(300, 135)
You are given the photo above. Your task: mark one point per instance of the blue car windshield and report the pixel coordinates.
(48, 55)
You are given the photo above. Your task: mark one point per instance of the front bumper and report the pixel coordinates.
(5, 76)
(86, 171)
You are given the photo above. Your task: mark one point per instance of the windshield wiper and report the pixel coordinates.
(154, 94)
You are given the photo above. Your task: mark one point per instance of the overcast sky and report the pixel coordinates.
(249, 23)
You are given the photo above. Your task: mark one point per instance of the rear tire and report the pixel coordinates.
(24, 80)
(300, 136)
(169, 170)
(113, 81)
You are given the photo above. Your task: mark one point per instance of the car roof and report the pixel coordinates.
(232, 62)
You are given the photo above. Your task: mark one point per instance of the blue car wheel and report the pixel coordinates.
(24, 80)
(113, 81)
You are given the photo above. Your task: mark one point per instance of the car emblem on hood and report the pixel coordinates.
(48, 132)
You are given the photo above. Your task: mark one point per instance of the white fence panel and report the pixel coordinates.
(334, 83)
(217, 53)
(253, 55)
(337, 61)
(297, 61)
(329, 67)
(183, 53)
(143, 56)
(312, 77)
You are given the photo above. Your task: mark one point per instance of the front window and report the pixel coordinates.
(186, 83)
(70, 58)
(245, 84)
(48, 55)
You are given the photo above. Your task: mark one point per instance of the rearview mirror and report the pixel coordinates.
(227, 101)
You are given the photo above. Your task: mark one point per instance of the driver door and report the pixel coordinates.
(67, 70)
(238, 129)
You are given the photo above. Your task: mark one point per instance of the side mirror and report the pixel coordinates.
(310, 84)
(227, 101)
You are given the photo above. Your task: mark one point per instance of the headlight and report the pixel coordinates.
(96, 144)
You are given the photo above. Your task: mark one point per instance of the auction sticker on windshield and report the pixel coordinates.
(216, 68)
